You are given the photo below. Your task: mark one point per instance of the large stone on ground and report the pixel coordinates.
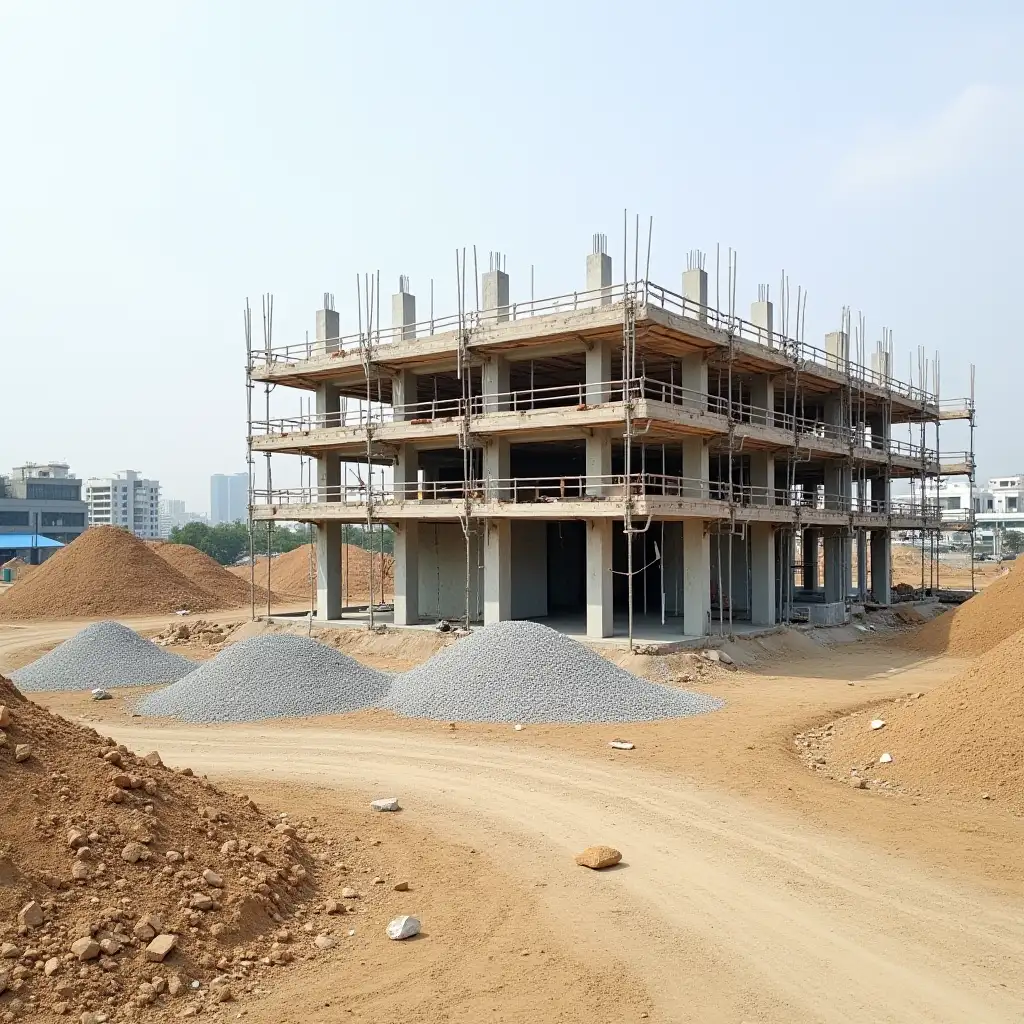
(598, 857)
(389, 803)
(160, 947)
(404, 927)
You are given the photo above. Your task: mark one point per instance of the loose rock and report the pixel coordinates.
(598, 857)
(404, 927)
(385, 804)
(160, 947)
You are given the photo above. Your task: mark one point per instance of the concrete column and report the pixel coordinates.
(838, 485)
(837, 351)
(836, 580)
(695, 291)
(762, 574)
(407, 572)
(695, 468)
(862, 565)
(599, 578)
(762, 475)
(328, 330)
(403, 394)
(495, 293)
(328, 571)
(599, 272)
(497, 467)
(881, 364)
(497, 571)
(696, 577)
(879, 494)
(403, 310)
(672, 560)
(881, 576)
(599, 372)
(406, 473)
(809, 558)
(762, 396)
(693, 378)
(599, 462)
(494, 381)
(762, 315)
(328, 464)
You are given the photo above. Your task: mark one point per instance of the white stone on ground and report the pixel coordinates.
(273, 676)
(404, 927)
(102, 655)
(389, 803)
(527, 672)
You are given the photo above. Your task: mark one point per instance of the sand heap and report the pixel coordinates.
(226, 589)
(964, 739)
(290, 573)
(979, 624)
(104, 572)
(129, 880)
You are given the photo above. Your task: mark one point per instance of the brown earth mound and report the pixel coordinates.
(226, 589)
(102, 852)
(290, 573)
(104, 572)
(979, 624)
(963, 740)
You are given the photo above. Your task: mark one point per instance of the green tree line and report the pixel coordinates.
(228, 543)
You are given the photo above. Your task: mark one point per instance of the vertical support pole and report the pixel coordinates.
(407, 576)
(762, 574)
(498, 571)
(696, 577)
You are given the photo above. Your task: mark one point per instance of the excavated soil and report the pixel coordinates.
(290, 574)
(962, 740)
(106, 572)
(99, 843)
(977, 625)
(226, 589)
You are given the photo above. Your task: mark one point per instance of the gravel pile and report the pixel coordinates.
(104, 654)
(277, 676)
(526, 672)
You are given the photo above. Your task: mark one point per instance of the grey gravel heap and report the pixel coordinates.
(526, 672)
(276, 676)
(101, 656)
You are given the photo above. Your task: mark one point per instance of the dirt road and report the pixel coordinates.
(726, 910)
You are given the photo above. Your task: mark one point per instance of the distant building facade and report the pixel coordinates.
(173, 514)
(125, 500)
(229, 498)
(39, 500)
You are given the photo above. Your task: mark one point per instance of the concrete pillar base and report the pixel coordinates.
(762, 574)
(881, 574)
(696, 578)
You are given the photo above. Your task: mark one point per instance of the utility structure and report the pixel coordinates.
(625, 453)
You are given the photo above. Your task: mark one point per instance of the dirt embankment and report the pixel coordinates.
(977, 625)
(106, 572)
(294, 574)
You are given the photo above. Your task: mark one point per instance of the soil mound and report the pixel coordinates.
(104, 572)
(104, 852)
(272, 676)
(526, 672)
(226, 589)
(290, 573)
(980, 623)
(964, 739)
(104, 655)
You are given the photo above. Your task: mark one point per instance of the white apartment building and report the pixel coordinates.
(998, 507)
(125, 500)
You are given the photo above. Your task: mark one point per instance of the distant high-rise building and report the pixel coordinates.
(229, 498)
(125, 500)
(173, 513)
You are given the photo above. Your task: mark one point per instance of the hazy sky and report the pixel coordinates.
(162, 162)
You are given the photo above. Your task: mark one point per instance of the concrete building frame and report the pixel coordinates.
(625, 447)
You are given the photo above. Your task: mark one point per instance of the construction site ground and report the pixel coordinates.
(752, 887)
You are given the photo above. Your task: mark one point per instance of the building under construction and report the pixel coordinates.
(624, 459)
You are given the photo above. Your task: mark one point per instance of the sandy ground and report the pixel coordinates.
(752, 888)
